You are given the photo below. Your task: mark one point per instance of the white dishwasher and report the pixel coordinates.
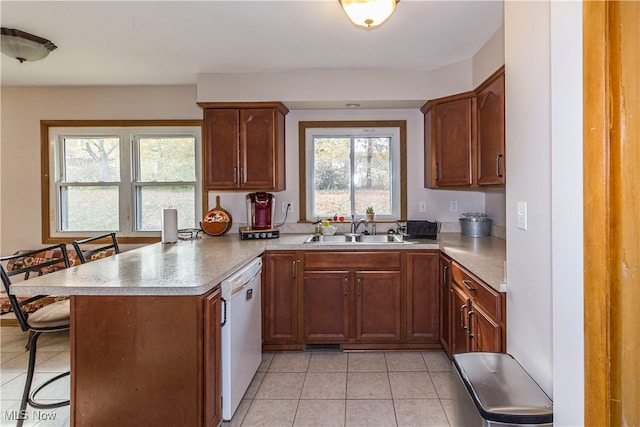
(241, 334)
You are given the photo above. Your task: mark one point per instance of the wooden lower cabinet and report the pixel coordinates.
(459, 333)
(445, 302)
(326, 306)
(280, 299)
(477, 314)
(423, 300)
(486, 332)
(145, 360)
(413, 299)
(212, 360)
(352, 297)
(378, 306)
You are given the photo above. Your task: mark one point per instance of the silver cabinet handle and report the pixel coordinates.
(469, 285)
(358, 287)
(293, 269)
(462, 317)
(498, 165)
(235, 175)
(346, 286)
(242, 180)
(469, 314)
(445, 282)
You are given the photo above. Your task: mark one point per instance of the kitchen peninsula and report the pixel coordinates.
(145, 323)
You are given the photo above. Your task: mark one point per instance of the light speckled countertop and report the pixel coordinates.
(193, 267)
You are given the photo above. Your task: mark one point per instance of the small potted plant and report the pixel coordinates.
(369, 213)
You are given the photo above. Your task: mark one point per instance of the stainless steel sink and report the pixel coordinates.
(380, 238)
(355, 238)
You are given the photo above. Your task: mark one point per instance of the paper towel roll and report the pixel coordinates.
(169, 225)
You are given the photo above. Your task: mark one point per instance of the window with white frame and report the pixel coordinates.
(121, 178)
(349, 169)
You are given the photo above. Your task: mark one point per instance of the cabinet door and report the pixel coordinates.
(452, 136)
(326, 306)
(378, 298)
(423, 301)
(258, 149)
(280, 298)
(486, 334)
(220, 149)
(490, 105)
(445, 304)
(212, 369)
(459, 328)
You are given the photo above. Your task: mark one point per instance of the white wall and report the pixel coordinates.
(489, 58)
(22, 110)
(319, 89)
(567, 221)
(543, 53)
(528, 140)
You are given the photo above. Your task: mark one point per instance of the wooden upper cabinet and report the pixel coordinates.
(449, 134)
(464, 137)
(491, 124)
(244, 146)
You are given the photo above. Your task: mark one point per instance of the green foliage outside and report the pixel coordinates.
(336, 185)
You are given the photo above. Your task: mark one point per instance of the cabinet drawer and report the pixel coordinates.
(481, 294)
(320, 260)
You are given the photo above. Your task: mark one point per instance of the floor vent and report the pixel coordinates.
(322, 347)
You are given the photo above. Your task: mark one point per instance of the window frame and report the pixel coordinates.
(48, 179)
(304, 126)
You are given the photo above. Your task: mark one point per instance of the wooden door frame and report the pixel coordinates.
(611, 199)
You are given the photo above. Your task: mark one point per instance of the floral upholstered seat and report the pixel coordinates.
(5, 305)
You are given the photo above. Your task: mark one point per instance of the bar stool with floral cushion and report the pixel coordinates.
(42, 317)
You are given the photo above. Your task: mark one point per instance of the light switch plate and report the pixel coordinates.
(521, 215)
(422, 206)
(453, 206)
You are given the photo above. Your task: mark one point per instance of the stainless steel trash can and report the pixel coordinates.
(492, 389)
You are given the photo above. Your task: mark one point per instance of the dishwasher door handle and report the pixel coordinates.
(224, 311)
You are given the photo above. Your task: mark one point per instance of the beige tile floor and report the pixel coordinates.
(349, 389)
(290, 389)
(53, 358)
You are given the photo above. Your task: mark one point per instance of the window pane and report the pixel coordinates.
(167, 159)
(91, 159)
(89, 208)
(332, 176)
(372, 177)
(152, 199)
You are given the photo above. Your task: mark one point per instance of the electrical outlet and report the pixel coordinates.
(453, 206)
(285, 205)
(422, 206)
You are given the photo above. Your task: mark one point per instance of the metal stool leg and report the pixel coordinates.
(30, 371)
(29, 397)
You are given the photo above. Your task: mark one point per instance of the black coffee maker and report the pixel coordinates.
(260, 210)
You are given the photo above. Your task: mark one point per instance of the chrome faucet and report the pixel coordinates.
(355, 224)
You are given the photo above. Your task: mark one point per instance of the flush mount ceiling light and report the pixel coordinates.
(368, 13)
(24, 46)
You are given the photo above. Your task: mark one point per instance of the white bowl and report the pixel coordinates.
(330, 230)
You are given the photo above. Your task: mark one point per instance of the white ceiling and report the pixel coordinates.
(166, 43)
